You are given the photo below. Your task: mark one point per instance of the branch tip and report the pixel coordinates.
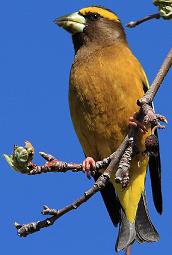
(17, 225)
(46, 156)
(133, 24)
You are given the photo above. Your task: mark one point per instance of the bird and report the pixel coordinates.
(106, 79)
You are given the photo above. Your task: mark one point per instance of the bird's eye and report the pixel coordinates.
(93, 16)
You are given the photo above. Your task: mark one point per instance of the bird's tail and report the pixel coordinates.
(141, 230)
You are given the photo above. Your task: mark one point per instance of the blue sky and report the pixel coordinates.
(35, 59)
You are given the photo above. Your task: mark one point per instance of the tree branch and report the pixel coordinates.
(126, 148)
(132, 24)
(151, 93)
(26, 229)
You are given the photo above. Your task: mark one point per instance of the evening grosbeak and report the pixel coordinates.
(105, 82)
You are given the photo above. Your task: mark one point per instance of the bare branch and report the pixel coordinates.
(150, 94)
(122, 173)
(132, 24)
(26, 229)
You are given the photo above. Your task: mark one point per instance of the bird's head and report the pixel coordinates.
(93, 25)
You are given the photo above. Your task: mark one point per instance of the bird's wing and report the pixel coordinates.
(155, 176)
(111, 201)
(155, 167)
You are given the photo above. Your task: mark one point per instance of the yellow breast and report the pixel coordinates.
(103, 92)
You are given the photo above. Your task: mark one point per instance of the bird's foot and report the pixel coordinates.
(133, 122)
(88, 166)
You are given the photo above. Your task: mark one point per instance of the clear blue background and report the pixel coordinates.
(35, 59)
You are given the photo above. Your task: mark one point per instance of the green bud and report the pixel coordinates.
(165, 8)
(21, 158)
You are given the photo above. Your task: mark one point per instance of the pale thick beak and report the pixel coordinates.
(73, 23)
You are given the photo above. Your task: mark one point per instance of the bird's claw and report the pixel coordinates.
(88, 166)
(133, 122)
(161, 118)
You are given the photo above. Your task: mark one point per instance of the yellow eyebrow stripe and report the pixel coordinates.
(103, 12)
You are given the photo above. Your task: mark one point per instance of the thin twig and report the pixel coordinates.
(24, 230)
(132, 24)
(55, 166)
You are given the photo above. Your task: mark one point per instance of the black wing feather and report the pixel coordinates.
(111, 201)
(155, 173)
(155, 176)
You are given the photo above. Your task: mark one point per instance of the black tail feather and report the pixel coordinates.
(145, 230)
(141, 230)
(126, 235)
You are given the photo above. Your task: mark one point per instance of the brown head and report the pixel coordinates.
(93, 26)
